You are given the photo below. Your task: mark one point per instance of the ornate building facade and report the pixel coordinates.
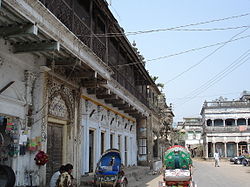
(69, 90)
(226, 127)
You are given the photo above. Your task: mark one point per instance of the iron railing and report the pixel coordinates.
(77, 20)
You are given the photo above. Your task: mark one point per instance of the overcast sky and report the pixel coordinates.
(204, 74)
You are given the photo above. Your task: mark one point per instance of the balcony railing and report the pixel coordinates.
(227, 129)
(77, 20)
(225, 104)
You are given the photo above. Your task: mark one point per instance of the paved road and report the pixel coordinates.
(227, 175)
(206, 175)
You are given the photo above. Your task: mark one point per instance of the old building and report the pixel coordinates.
(226, 126)
(70, 89)
(192, 129)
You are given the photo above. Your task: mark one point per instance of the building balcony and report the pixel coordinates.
(222, 129)
(226, 104)
(76, 16)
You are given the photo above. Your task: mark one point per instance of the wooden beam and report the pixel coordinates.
(84, 75)
(131, 111)
(64, 62)
(112, 100)
(125, 108)
(7, 86)
(106, 96)
(18, 30)
(36, 47)
(93, 83)
(119, 105)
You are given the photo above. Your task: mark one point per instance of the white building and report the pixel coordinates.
(226, 127)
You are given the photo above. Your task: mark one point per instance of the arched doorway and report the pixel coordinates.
(220, 148)
(59, 124)
(231, 149)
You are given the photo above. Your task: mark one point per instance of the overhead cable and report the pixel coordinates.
(171, 28)
(183, 52)
(203, 59)
(236, 63)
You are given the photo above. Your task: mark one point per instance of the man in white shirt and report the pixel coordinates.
(216, 159)
(55, 176)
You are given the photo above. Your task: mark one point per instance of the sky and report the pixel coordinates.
(206, 74)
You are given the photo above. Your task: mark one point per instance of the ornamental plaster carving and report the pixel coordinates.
(61, 101)
(58, 107)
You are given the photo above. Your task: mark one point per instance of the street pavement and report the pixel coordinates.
(206, 175)
(227, 175)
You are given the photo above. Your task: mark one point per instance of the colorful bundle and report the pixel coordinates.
(41, 158)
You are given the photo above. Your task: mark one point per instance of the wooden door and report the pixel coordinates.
(54, 149)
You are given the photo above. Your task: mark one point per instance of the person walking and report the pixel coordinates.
(216, 159)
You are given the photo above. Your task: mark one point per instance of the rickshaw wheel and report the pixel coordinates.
(123, 184)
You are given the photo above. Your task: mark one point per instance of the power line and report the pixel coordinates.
(171, 28)
(220, 74)
(183, 30)
(238, 62)
(217, 80)
(202, 60)
(183, 52)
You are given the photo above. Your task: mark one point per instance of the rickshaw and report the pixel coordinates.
(177, 171)
(109, 170)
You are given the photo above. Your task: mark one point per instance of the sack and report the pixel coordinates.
(64, 180)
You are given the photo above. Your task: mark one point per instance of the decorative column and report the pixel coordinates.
(225, 149)
(237, 149)
(123, 148)
(85, 149)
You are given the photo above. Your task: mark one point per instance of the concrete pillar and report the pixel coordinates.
(225, 149)
(213, 148)
(123, 148)
(213, 123)
(247, 121)
(97, 145)
(85, 144)
(235, 121)
(237, 149)
(224, 122)
(116, 140)
(206, 150)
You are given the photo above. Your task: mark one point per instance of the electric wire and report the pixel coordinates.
(220, 74)
(237, 63)
(203, 59)
(182, 52)
(171, 28)
(215, 82)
